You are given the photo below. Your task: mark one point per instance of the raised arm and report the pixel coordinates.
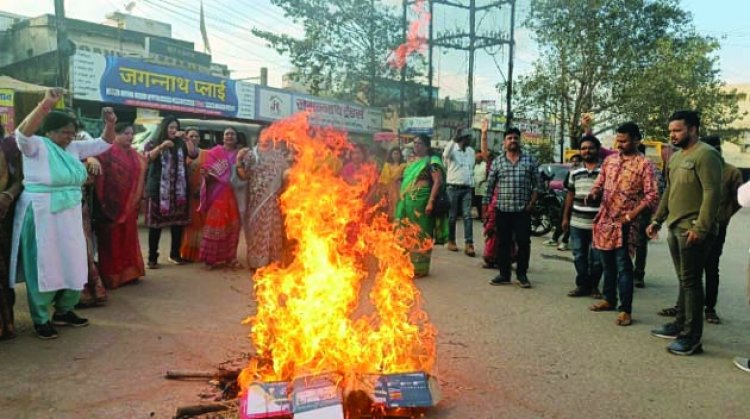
(30, 125)
(110, 119)
(484, 148)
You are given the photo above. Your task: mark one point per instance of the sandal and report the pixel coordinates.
(603, 305)
(712, 317)
(624, 319)
(668, 312)
(578, 292)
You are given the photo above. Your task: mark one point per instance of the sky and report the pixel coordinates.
(229, 23)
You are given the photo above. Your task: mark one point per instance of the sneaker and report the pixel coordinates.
(69, 319)
(177, 260)
(639, 283)
(685, 347)
(523, 281)
(563, 247)
(742, 363)
(469, 250)
(152, 264)
(550, 242)
(668, 331)
(45, 331)
(500, 280)
(452, 247)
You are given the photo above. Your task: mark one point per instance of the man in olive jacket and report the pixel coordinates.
(689, 206)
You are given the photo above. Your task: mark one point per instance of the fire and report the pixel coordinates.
(416, 41)
(310, 317)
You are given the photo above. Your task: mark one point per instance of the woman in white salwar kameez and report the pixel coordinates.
(49, 247)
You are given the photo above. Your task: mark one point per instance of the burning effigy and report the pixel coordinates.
(339, 325)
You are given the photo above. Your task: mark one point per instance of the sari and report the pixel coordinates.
(193, 233)
(389, 185)
(411, 207)
(119, 189)
(7, 296)
(221, 228)
(490, 241)
(263, 222)
(93, 292)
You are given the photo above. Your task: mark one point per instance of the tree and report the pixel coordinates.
(345, 46)
(622, 60)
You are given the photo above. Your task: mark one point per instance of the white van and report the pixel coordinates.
(211, 131)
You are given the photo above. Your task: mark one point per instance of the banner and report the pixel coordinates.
(273, 104)
(345, 116)
(7, 111)
(417, 125)
(136, 83)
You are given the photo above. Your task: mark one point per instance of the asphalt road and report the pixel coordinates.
(503, 352)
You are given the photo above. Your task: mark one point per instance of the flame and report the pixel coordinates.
(310, 318)
(416, 41)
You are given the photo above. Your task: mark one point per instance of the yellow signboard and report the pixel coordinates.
(7, 110)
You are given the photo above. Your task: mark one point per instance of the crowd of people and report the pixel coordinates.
(70, 207)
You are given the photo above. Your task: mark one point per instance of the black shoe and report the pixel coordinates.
(152, 264)
(668, 331)
(69, 319)
(639, 283)
(177, 260)
(500, 280)
(685, 347)
(579, 292)
(45, 331)
(523, 281)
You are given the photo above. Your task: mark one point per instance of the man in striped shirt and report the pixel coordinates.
(578, 218)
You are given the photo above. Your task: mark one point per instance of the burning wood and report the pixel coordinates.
(311, 319)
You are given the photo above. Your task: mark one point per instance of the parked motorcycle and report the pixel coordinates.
(547, 213)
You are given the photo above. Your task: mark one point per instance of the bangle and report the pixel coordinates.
(627, 217)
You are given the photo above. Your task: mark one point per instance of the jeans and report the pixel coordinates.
(689, 262)
(460, 199)
(712, 268)
(618, 275)
(641, 248)
(510, 225)
(154, 235)
(586, 259)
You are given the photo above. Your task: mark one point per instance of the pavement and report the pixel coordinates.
(503, 352)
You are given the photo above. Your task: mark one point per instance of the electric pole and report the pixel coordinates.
(62, 42)
(471, 41)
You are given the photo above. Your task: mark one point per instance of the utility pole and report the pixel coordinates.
(402, 94)
(472, 41)
(62, 43)
(511, 49)
(430, 73)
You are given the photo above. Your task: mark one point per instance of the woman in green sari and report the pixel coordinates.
(420, 186)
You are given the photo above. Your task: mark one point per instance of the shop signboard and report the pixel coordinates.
(7, 110)
(134, 82)
(349, 117)
(417, 125)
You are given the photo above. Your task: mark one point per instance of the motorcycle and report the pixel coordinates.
(547, 213)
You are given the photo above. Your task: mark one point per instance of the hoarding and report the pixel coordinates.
(134, 82)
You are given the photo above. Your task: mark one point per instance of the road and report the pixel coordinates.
(503, 352)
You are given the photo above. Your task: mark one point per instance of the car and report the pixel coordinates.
(211, 131)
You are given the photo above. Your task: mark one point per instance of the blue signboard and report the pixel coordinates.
(135, 82)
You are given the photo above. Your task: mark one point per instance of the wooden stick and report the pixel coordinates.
(193, 374)
(199, 409)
